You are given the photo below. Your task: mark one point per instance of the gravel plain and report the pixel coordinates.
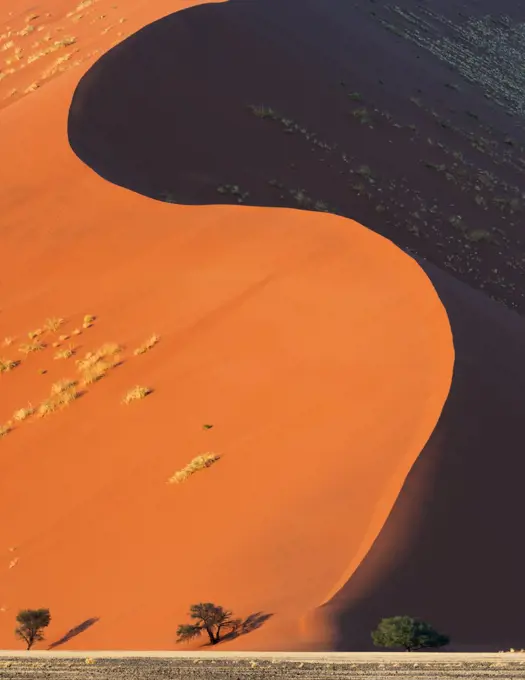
(94, 666)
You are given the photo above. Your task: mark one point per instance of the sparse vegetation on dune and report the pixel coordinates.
(136, 393)
(88, 320)
(53, 324)
(22, 413)
(147, 345)
(7, 365)
(4, 430)
(205, 460)
(65, 353)
(95, 365)
(30, 347)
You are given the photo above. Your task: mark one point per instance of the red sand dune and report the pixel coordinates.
(318, 350)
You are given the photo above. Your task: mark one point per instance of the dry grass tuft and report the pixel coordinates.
(5, 429)
(63, 393)
(23, 413)
(136, 393)
(95, 365)
(35, 334)
(150, 342)
(34, 346)
(63, 385)
(7, 365)
(8, 341)
(198, 463)
(77, 331)
(65, 353)
(88, 320)
(53, 324)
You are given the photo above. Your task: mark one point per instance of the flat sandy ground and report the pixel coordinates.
(118, 666)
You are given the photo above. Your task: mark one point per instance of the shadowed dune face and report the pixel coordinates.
(451, 551)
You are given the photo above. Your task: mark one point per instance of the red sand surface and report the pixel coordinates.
(318, 350)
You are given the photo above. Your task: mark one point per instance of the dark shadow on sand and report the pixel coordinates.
(73, 632)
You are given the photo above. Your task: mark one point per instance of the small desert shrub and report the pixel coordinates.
(77, 331)
(32, 335)
(62, 386)
(63, 337)
(88, 320)
(8, 341)
(53, 324)
(262, 111)
(31, 347)
(198, 463)
(136, 393)
(23, 413)
(150, 342)
(4, 429)
(7, 365)
(58, 400)
(64, 353)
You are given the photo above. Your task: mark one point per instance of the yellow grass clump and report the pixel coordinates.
(62, 394)
(63, 337)
(198, 463)
(5, 429)
(88, 320)
(23, 413)
(8, 341)
(35, 334)
(136, 393)
(7, 365)
(77, 331)
(95, 365)
(53, 324)
(150, 342)
(7, 45)
(31, 347)
(62, 386)
(64, 353)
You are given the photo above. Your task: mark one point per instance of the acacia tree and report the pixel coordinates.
(210, 618)
(31, 623)
(404, 631)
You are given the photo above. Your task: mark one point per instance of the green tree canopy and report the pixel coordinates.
(407, 632)
(210, 618)
(31, 623)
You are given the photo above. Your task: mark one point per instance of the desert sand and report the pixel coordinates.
(320, 353)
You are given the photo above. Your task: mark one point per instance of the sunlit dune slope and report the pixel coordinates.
(319, 352)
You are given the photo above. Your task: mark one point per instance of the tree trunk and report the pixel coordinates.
(211, 635)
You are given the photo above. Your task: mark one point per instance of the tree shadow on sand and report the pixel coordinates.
(250, 623)
(73, 632)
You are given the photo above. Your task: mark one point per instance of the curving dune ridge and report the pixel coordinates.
(318, 350)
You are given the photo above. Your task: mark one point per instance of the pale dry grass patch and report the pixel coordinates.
(31, 88)
(8, 340)
(65, 353)
(22, 413)
(30, 347)
(53, 324)
(7, 46)
(35, 334)
(88, 320)
(7, 365)
(63, 337)
(63, 393)
(136, 393)
(26, 30)
(77, 331)
(201, 462)
(5, 429)
(62, 385)
(95, 365)
(31, 17)
(147, 345)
